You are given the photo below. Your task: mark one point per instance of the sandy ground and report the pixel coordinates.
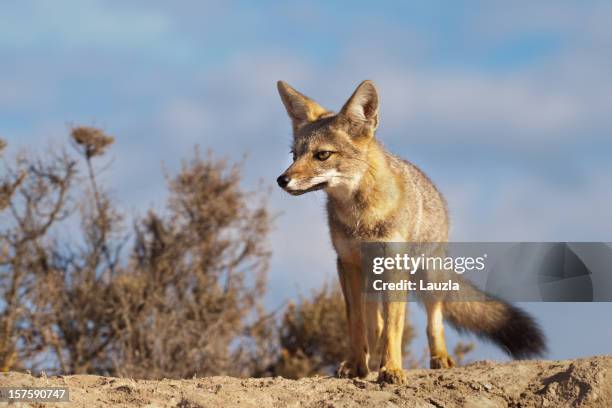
(573, 383)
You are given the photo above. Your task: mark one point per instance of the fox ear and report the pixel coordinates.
(301, 109)
(362, 106)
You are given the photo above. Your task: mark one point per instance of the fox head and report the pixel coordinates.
(329, 149)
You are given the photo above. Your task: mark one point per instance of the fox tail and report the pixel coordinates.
(508, 326)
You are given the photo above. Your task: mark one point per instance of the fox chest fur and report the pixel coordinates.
(378, 209)
(394, 201)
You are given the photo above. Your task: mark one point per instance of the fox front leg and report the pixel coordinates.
(356, 365)
(375, 325)
(391, 363)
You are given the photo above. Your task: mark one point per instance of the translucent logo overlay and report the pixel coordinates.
(480, 271)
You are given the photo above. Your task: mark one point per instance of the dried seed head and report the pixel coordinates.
(93, 140)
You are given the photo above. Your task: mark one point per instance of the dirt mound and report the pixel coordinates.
(573, 383)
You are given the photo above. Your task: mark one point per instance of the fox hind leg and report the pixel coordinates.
(439, 357)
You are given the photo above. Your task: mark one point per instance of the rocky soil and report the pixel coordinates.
(573, 383)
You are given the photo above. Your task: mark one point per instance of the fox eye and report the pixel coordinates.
(323, 155)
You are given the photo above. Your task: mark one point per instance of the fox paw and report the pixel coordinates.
(441, 361)
(348, 369)
(391, 376)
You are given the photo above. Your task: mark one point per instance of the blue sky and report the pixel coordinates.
(507, 106)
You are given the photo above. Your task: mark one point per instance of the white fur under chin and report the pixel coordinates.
(341, 187)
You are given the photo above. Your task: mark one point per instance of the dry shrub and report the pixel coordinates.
(35, 197)
(176, 294)
(312, 334)
(198, 277)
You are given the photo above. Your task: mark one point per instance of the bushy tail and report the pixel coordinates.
(512, 329)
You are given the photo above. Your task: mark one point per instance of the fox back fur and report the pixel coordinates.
(373, 195)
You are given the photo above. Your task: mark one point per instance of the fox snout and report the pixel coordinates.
(288, 184)
(300, 185)
(283, 180)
